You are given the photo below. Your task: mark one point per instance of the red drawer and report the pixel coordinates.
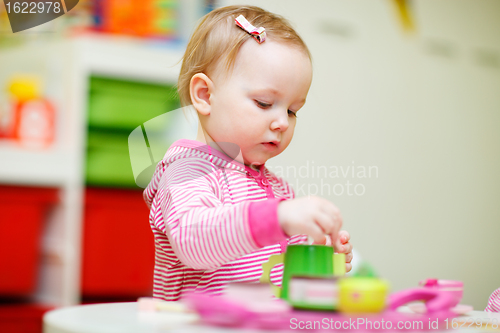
(22, 318)
(118, 245)
(22, 216)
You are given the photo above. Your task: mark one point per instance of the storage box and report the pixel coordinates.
(118, 245)
(108, 160)
(116, 108)
(125, 105)
(22, 216)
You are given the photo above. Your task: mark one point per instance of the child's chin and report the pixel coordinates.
(255, 162)
(259, 158)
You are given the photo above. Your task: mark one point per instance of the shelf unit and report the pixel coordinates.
(66, 66)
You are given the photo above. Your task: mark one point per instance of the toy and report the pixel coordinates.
(361, 302)
(455, 288)
(33, 120)
(221, 311)
(362, 295)
(308, 277)
(436, 300)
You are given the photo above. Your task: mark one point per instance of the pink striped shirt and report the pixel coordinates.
(494, 302)
(214, 220)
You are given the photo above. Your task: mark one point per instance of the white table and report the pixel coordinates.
(110, 318)
(125, 318)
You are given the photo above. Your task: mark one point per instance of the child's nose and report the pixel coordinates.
(280, 122)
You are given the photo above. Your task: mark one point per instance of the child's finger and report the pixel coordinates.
(328, 226)
(323, 242)
(334, 218)
(334, 235)
(335, 213)
(338, 225)
(344, 236)
(328, 240)
(343, 248)
(348, 267)
(315, 232)
(331, 210)
(325, 222)
(347, 247)
(339, 248)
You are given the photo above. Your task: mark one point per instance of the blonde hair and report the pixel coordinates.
(217, 38)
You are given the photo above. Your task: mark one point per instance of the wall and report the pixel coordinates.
(423, 110)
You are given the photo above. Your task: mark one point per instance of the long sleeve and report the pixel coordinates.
(204, 232)
(494, 302)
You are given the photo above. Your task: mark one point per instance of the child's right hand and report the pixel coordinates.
(312, 216)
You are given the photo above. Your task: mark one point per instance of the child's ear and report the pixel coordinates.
(200, 89)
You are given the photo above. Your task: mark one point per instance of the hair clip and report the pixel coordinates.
(258, 33)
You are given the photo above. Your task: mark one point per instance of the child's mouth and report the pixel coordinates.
(270, 145)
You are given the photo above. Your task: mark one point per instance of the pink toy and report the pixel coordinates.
(455, 288)
(221, 311)
(436, 300)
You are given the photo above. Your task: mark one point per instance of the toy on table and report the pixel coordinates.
(309, 276)
(225, 311)
(362, 295)
(313, 279)
(454, 288)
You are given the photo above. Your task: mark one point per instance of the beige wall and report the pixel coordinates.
(424, 109)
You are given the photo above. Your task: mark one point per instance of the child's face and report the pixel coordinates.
(254, 105)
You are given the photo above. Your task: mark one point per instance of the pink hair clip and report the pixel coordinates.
(258, 33)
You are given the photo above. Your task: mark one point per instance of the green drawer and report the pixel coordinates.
(107, 140)
(115, 109)
(109, 168)
(108, 158)
(132, 88)
(126, 105)
(108, 161)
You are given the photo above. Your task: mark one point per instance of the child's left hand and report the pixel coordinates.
(342, 246)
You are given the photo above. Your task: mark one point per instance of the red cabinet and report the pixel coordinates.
(23, 211)
(118, 245)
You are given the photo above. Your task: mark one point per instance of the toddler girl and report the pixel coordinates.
(217, 213)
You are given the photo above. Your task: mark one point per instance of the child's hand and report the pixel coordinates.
(312, 216)
(341, 246)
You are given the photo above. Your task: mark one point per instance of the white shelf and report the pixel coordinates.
(33, 167)
(126, 57)
(66, 66)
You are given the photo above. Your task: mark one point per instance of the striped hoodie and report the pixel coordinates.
(494, 302)
(214, 220)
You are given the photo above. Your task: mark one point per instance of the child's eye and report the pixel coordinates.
(291, 113)
(262, 105)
